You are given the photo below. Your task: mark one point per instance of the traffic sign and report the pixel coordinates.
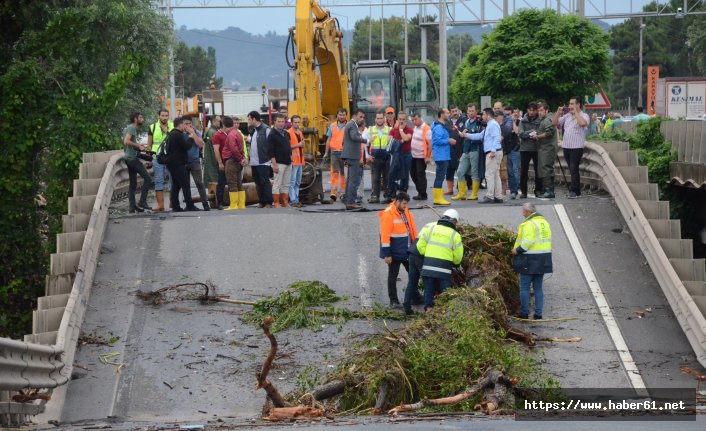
(597, 101)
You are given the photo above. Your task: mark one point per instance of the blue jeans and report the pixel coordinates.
(534, 280)
(406, 166)
(294, 184)
(413, 275)
(159, 171)
(430, 289)
(513, 171)
(441, 167)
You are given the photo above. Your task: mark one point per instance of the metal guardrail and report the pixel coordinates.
(25, 365)
(597, 164)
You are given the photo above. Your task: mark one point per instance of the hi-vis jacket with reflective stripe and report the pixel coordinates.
(379, 141)
(534, 246)
(395, 235)
(441, 247)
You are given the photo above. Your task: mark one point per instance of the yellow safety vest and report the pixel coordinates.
(157, 135)
(377, 141)
(534, 235)
(441, 247)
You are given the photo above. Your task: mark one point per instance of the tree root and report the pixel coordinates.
(492, 378)
(261, 377)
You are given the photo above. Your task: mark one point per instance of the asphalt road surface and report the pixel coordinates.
(185, 361)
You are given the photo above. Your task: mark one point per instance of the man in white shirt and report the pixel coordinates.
(492, 147)
(421, 155)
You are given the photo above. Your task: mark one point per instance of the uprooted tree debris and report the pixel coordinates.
(458, 357)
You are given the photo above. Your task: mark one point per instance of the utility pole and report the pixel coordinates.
(382, 32)
(370, 32)
(639, 68)
(442, 54)
(406, 47)
(172, 88)
(422, 18)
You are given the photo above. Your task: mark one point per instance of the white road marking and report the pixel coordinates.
(623, 352)
(366, 301)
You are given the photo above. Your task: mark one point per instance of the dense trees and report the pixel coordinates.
(72, 71)
(677, 46)
(195, 69)
(534, 55)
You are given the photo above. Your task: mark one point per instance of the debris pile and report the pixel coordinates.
(457, 357)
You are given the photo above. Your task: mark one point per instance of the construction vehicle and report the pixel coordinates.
(314, 54)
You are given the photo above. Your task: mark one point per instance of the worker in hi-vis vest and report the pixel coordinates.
(532, 258)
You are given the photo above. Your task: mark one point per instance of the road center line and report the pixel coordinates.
(623, 352)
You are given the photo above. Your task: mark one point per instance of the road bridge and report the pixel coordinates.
(197, 362)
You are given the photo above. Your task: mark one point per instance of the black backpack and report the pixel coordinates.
(164, 153)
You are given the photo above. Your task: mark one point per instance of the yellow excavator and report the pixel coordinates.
(316, 60)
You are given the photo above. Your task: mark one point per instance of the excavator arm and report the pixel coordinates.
(315, 54)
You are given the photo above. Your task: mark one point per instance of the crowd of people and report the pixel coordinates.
(491, 148)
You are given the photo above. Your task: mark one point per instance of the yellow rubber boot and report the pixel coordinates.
(234, 201)
(241, 199)
(439, 197)
(462, 190)
(475, 185)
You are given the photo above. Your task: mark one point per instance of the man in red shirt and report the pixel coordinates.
(233, 154)
(218, 140)
(401, 150)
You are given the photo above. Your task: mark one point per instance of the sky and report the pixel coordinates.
(278, 20)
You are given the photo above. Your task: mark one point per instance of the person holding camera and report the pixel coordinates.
(574, 123)
(135, 141)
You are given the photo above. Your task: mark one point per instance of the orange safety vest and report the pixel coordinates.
(394, 237)
(336, 143)
(377, 100)
(297, 153)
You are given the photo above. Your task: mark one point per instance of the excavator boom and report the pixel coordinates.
(315, 55)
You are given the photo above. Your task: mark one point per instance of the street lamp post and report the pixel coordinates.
(370, 33)
(639, 68)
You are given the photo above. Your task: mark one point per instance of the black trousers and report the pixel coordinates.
(261, 177)
(393, 271)
(419, 176)
(380, 171)
(135, 167)
(221, 187)
(180, 181)
(525, 158)
(573, 159)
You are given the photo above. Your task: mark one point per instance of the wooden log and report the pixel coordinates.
(330, 389)
(293, 413)
(381, 398)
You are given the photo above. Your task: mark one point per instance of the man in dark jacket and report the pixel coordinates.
(280, 154)
(511, 150)
(353, 157)
(532, 258)
(178, 144)
(528, 150)
(259, 159)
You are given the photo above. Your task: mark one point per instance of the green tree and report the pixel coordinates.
(534, 55)
(196, 68)
(67, 89)
(677, 46)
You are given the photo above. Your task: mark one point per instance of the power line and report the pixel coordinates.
(235, 39)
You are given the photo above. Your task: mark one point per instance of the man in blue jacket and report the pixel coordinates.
(441, 144)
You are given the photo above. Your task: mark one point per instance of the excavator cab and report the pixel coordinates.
(378, 84)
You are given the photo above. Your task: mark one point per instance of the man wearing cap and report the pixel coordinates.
(442, 248)
(390, 116)
(532, 258)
